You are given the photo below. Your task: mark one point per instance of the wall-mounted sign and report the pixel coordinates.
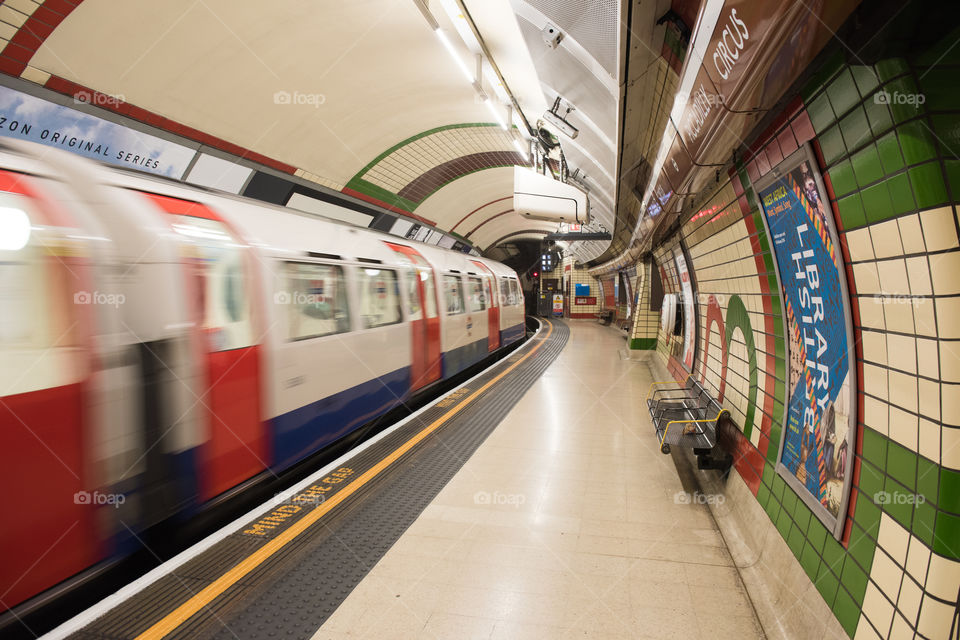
(557, 305)
(582, 289)
(816, 450)
(27, 117)
(585, 300)
(689, 320)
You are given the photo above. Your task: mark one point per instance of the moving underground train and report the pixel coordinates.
(163, 346)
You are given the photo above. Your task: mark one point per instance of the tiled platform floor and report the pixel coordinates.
(566, 523)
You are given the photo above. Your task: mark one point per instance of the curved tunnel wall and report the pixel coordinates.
(890, 168)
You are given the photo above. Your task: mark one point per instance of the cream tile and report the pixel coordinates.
(860, 245)
(865, 631)
(874, 347)
(894, 539)
(904, 428)
(898, 313)
(944, 577)
(929, 440)
(926, 323)
(911, 234)
(876, 608)
(944, 268)
(866, 278)
(908, 603)
(901, 629)
(886, 239)
(928, 359)
(886, 574)
(939, 228)
(893, 277)
(929, 398)
(935, 618)
(918, 273)
(903, 390)
(950, 361)
(947, 314)
(950, 437)
(902, 352)
(918, 559)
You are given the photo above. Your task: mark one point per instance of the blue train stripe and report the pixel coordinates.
(301, 432)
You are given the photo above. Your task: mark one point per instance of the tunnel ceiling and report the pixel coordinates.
(362, 96)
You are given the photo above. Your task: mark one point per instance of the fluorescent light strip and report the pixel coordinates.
(496, 116)
(453, 54)
(521, 150)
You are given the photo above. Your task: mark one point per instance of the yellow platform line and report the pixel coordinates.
(204, 597)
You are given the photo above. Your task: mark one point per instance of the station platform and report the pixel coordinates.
(531, 502)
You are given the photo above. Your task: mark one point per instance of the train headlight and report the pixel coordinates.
(14, 229)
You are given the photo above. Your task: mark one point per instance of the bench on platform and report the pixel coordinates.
(604, 316)
(686, 415)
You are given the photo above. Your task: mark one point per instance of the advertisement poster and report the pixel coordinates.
(817, 434)
(689, 324)
(30, 118)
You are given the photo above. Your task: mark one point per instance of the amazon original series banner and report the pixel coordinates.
(815, 437)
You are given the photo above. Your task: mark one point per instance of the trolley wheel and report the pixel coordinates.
(664, 448)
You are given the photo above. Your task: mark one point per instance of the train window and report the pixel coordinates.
(379, 297)
(413, 293)
(453, 293)
(429, 292)
(477, 300)
(216, 264)
(515, 295)
(504, 292)
(316, 299)
(40, 336)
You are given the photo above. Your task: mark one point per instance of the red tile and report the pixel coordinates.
(787, 141)
(802, 127)
(774, 154)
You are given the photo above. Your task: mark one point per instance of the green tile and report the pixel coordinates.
(816, 534)
(833, 555)
(768, 474)
(867, 516)
(904, 99)
(888, 148)
(789, 500)
(878, 114)
(875, 447)
(831, 144)
(827, 583)
(821, 113)
(795, 541)
(923, 521)
(855, 129)
(902, 465)
(763, 494)
(871, 480)
(841, 175)
(847, 611)
(916, 141)
(940, 52)
(866, 165)
(855, 580)
(801, 515)
(946, 540)
(946, 128)
(938, 87)
(843, 92)
(851, 211)
(810, 561)
(877, 205)
(772, 508)
(928, 186)
(949, 488)
(901, 194)
(953, 177)
(899, 508)
(861, 547)
(784, 523)
(928, 480)
(891, 68)
(865, 78)
(778, 487)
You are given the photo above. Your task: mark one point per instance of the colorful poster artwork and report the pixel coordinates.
(815, 446)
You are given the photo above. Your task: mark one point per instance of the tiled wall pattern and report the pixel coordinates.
(407, 173)
(887, 137)
(646, 323)
(576, 276)
(890, 167)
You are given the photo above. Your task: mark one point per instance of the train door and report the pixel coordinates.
(46, 319)
(425, 362)
(219, 286)
(493, 307)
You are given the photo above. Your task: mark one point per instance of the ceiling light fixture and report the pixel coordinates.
(453, 54)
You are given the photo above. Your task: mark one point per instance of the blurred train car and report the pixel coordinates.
(163, 346)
